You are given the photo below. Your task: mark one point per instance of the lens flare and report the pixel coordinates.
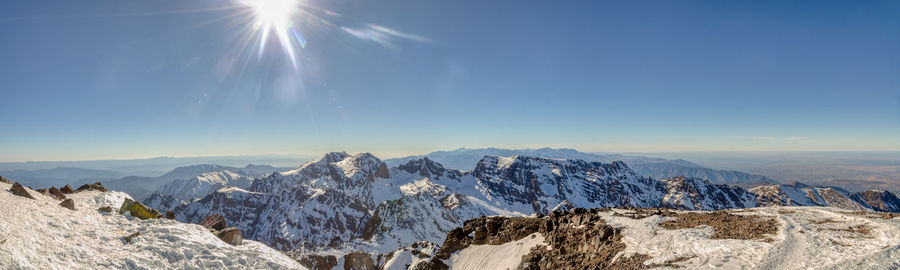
(276, 16)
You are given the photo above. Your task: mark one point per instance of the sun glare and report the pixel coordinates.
(276, 16)
(275, 13)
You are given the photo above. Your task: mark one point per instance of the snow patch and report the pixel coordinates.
(505, 256)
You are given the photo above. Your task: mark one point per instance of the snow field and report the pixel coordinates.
(39, 234)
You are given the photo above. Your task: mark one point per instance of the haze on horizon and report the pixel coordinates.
(105, 79)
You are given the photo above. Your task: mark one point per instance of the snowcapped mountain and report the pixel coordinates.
(699, 194)
(341, 204)
(40, 234)
(803, 195)
(142, 187)
(345, 203)
(178, 192)
(466, 158)
(879, 200)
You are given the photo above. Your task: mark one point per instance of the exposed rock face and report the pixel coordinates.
(214, 222)
(883, 201)
(19, 190)
(359, 261)
(803, 195)
(579, 239)
(699, 194)
(67, 189)
(68, 203)
(319, 262)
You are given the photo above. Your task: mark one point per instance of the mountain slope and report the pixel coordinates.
(348, 203)
(179, 192)
(142, 187)
(465, 158)
(59, 176)
(39, 234)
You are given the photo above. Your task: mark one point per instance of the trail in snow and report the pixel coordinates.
(785, 251)
(809, 237)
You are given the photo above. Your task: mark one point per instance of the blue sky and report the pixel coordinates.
(97, 79)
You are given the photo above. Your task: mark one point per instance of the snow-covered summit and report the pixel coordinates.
(179, 192)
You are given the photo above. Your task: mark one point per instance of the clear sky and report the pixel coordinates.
(93, 79)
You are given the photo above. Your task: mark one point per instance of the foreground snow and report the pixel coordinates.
(39, 234)
(808, 238)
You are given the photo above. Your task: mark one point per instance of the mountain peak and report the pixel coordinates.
(426, 167)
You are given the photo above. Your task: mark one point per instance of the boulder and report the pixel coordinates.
(105, 209)
(358, 261)
(67, 189)
(214, 222)
(95, 186)
(56, 193)
(131, 237)
(19, 190)
(4, 180)
(231, 235)
(138, 210)
(68, 203)
(170, 215)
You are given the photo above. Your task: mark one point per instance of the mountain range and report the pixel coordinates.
(465, 158)
(341, 203)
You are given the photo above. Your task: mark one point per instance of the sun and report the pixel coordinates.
(273, 13)
(276, 16)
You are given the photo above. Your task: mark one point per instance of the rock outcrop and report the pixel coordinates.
(67, 189)
(138, 210)
(57, 193)
(68, 203)
(95, 186)
(577, 239)
(18, 190)
(230, 235)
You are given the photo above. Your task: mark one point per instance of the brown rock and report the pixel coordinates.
(107, 209)
(170, 215)
(131, 237)
(95, 186)
(19, 190)
(319, 262)
(215, 222)
(383, 171)
(359, 261)
(68, 203)
(231, 235)
(56, 193)
(4, 180)
(67, 189)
